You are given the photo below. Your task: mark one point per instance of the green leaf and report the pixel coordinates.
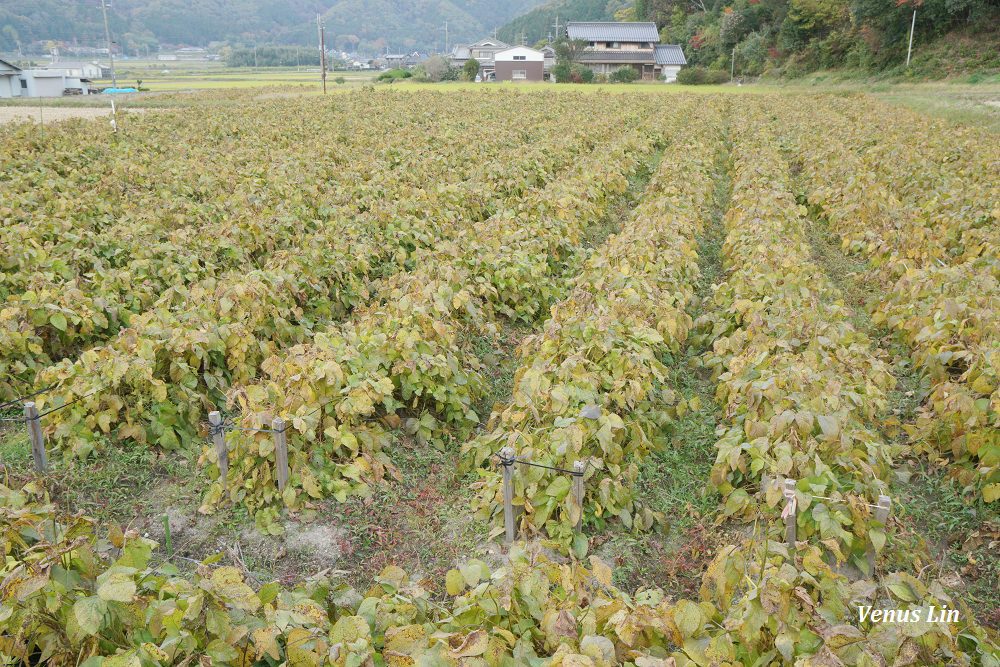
(877, 537)
(89, 612)
(58, 320)
(785, 644)
(580, 545)
(269, 592)
(559, 487)
(688, 618)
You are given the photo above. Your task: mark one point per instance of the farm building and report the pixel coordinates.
(519, 64)
(77, 69)
(52, 83)
(10, 80)
(670, 58)
(611, 46)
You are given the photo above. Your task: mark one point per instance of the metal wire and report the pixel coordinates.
(221, 428)
(507, 462)
(23, 398)
(66, 405)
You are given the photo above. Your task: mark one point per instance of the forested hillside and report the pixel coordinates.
(373, 25)
(796, 36)
(539, 22)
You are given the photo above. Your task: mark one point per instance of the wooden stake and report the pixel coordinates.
(578, 468)
(280, 451)
(791, 518)
(221, 448)
(882, 516)
(507, 462)
(37, 439)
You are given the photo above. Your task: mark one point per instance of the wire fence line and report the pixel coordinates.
(514, 459)
(506, 458)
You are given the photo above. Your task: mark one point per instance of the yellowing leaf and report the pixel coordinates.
(116, 584)
(89, 613)
(454, 582)
(600, 570)
(227, 582)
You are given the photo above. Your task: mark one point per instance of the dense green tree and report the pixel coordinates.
(470, 70)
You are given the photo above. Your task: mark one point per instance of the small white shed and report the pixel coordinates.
(669, 58)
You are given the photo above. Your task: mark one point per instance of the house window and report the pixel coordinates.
(613, 45)
(482, 54)
(591, 43)
(520, 57)
(24, 83)
(644, 45)
(519, 74)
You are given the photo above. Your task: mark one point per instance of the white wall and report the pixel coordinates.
(670, 72)
(530, 55)
(10, 86)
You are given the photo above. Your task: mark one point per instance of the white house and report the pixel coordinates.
(10, 80)
(519, 64)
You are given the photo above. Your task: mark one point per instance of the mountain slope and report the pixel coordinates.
(538, 23)
(372, 25)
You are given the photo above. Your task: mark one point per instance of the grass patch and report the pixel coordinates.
(674, 479)
(959, 533)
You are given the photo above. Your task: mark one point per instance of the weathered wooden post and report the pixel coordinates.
(790, 514)
(882, 511)
(280, 451)
(221, 448)
(507, 461)
(37, 439)
(578, 468)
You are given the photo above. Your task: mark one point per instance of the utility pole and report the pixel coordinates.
(322, 48)
(732, 67)
(909, 50)
(298, 61)
(556, 26)
(446, 37)
(107, 33)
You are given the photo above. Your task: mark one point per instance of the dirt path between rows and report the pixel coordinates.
(21, 114)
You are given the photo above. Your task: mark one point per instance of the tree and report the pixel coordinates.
(471, 69)
(570, 49)
(11, 35)
(436, 67)
(562, 71)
